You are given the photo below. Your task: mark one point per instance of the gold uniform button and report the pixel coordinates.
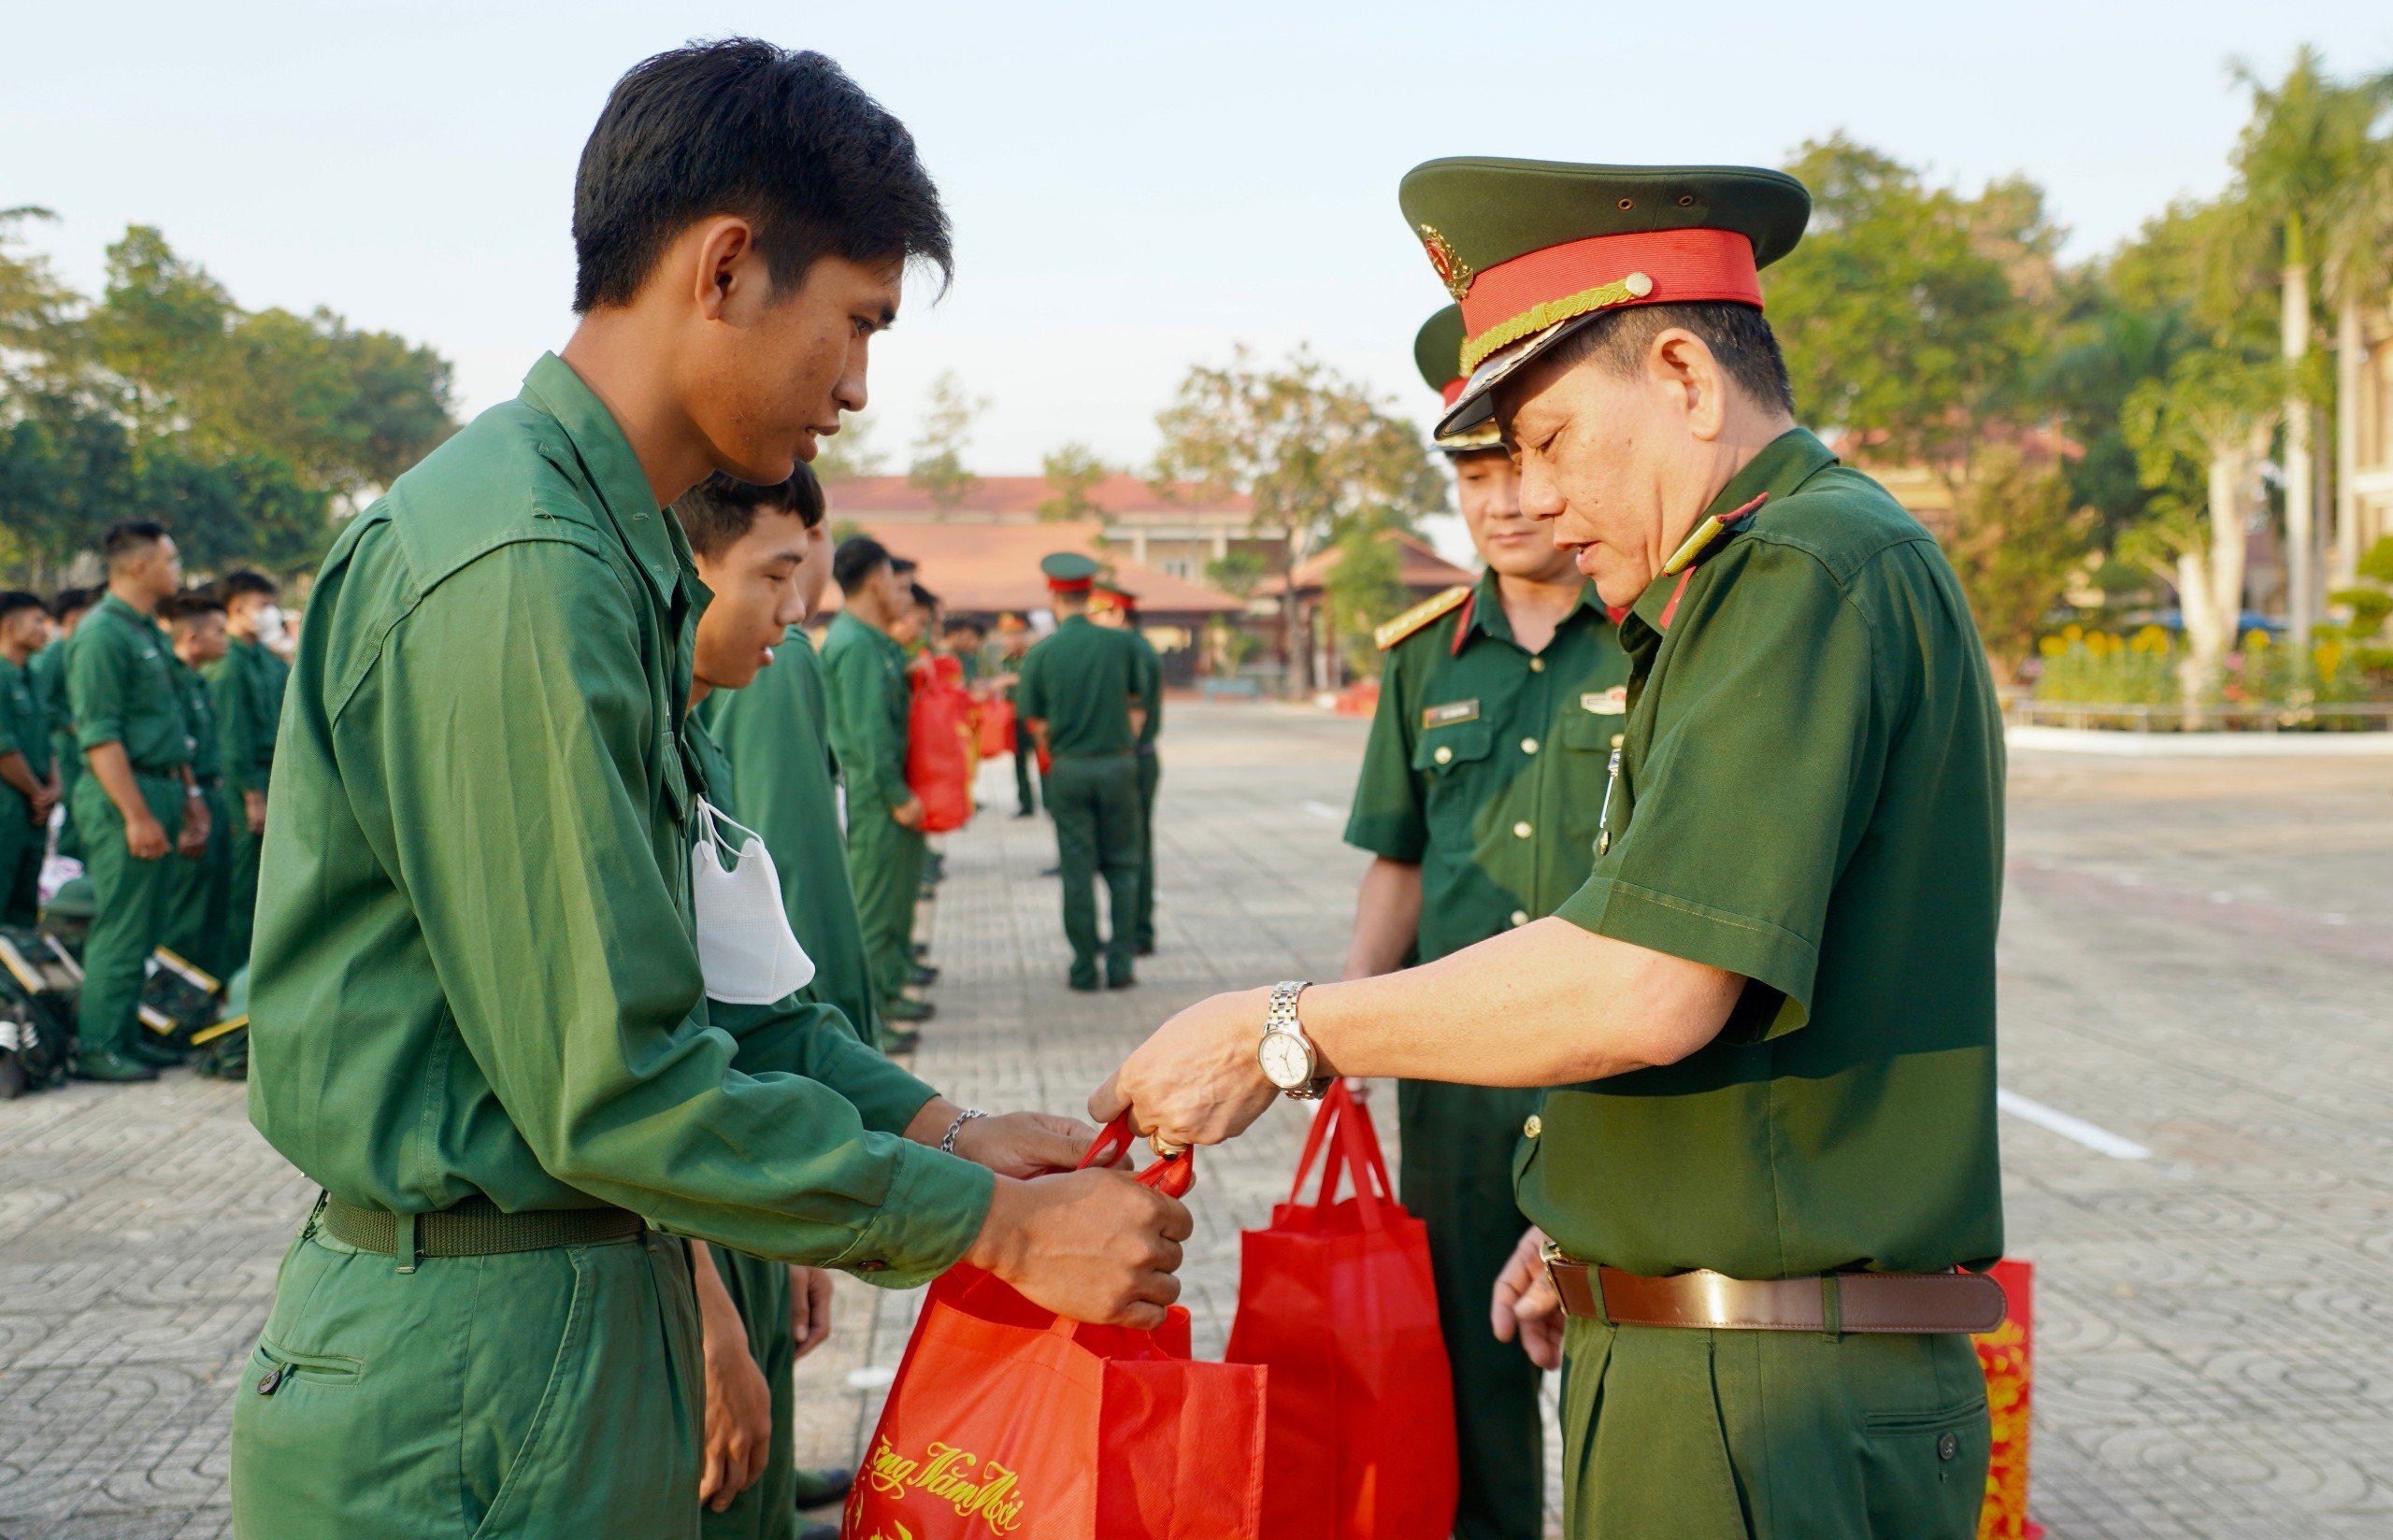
(1528, 746)
(1535, 1126)
(1537, 665)
(1522, 830)
(1443, 756)
(1520, 917)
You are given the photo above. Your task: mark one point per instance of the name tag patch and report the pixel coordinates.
(1606, 703)
(1450, 713)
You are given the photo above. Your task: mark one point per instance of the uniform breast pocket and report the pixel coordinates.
(1453, 760)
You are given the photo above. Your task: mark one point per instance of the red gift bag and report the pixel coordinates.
(996, 727)
(1336, 1299)
(1010, 1422)
(938, 745)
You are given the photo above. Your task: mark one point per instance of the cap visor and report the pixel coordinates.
(1476, 406)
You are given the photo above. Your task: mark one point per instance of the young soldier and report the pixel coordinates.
(138, 800)
(870, 708)
(1014, 644)
(48, 672)
(198, 929)
(1085, 696)
(1768, 1014)
(479, 1018)
(1117, 609)
(28, 778)
(247, 688)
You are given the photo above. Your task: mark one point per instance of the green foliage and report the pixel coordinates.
(2018, 537)
(1363, 587)
(937, 470)
(2376, 563)
(1238, 572)
(1073, 473)
(849, 454)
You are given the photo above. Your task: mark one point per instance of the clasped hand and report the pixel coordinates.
(1195, 1081)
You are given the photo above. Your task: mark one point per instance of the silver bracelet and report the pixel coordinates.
(947, 1143)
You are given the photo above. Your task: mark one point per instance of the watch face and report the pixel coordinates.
(1285, 1062)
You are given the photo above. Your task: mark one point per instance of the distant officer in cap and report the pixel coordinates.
(1085, 695)
(1116, 608)
(1769, 1013)
(1498, 704)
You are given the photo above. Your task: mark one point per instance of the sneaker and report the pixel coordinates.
(905, 1008)
(1120, 981)
(1083, 986)
(923, 976)
(113, 1068)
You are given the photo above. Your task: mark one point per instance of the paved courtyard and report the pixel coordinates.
(2198, 1018)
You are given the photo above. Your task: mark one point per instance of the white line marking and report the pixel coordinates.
(1323, 810)
(2099, 1139)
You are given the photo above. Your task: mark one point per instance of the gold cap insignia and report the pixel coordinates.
(1455, 272)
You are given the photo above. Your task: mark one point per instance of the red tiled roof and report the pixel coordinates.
(989, 568)
(1019, 496)
(1420, 567)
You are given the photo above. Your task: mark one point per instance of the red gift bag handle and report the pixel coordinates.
(1171, 1177)
(1344, 1127)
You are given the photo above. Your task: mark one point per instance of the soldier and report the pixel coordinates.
(1770, 1011)
(1013, 643)
(1085, 696)
(484, 1014)
(870, 708)
(199, 929)
(138, 800)
(28, 777)
(247, 688)
(1498, 702)
(1116, 608)
(48, 672)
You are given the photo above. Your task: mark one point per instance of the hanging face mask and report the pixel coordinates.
(745, 947)
(270, 626)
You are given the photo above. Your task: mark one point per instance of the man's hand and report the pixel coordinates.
(192, 841)
(740, 1404)
(810, 1307)
(1524, 1303)
(1025, 1143)
(1092, 1245)
(145, 839)
(253, 804)
(908, 813)
(1196, 1081)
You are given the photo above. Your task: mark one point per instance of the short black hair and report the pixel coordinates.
(242, 580)
(719, 511)
(200, 599)
(12, 600)
(783, 139)
(69, 600)
(858, 559)
(1739, 336)
(964, 622)
(924, 597)
(904, 567)
(127, 535)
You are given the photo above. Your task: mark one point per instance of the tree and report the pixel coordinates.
(158, 331)
(2018, 537)
(848, 455)
(33, 306)
(1363, 587)
(1312, 450)
(1072, 472)
(2358, 270)
(937, 470)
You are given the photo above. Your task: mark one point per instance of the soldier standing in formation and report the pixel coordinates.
(1768, 1017)
(28, 775)
(247, 686)
(1478, 798)
(48, 672)
(197, 930)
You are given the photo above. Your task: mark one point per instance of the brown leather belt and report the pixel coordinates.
(1921, 1303)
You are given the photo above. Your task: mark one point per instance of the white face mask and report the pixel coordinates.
(746, 950)
(270, 625)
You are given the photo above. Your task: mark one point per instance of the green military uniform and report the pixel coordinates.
(47, 669)
(25, 728)
(120, 687)
(871, 705)
(1808, 794)
(1485, 767)
(1149, 781)
(476, 980)
(197, 927)
(775, 737)
(247, 685)
(1081, 680)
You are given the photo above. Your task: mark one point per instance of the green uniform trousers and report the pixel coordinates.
(1150, 778)
(1095, 803)
(21, 846)
(132, 908)
(1456, 1174)
(1026, 752)
(885, 868)
(199, 906)
(71, 771)
(765, 1511)
(1770, 1435)
(532, 1395)
(241, 885)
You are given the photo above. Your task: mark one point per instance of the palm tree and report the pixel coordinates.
(2358, 270)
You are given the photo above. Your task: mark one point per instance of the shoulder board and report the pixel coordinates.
(1420, 615)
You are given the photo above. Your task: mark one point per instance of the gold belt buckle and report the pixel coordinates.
(1549, 1252)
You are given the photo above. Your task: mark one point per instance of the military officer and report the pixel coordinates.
(1086, 696)
(1117, 608)
(247, 688)
(1013, 642)
(871, 705)
(138, 801)
(28, 780)
(198, 929)
(1498, 703)
(48, 672)
(480, 1016)
(1769, 1010)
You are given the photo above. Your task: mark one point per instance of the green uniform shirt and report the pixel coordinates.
(474, 968)
(199, 716)
(775, 739)
(1811, 796)
(120, 686)
(247, 685)
(870, 704)
(1487, 764)
(1081, 680)
(24, 724)
(47, 671)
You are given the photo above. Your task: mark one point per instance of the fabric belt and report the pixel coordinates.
(476, 1227)
(1921, 1303)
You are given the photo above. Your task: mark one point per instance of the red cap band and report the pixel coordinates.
(1453, 389)
(1069, 585)
(1526, 295)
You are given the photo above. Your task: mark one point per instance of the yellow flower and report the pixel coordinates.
(2255, 640)
(2052, 647)
(2073, 632)
(2328, 656)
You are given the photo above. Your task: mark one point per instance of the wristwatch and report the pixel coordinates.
(1285, 1052)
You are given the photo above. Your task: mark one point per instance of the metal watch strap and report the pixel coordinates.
(1280, 1016)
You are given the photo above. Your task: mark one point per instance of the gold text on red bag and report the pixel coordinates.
(949, 1476)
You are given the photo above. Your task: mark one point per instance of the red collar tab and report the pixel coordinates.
(1669, 611)
(1462, 625)
(1691, 550)
(1617, 613)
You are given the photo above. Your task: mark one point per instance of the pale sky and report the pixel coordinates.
(1135, 188)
